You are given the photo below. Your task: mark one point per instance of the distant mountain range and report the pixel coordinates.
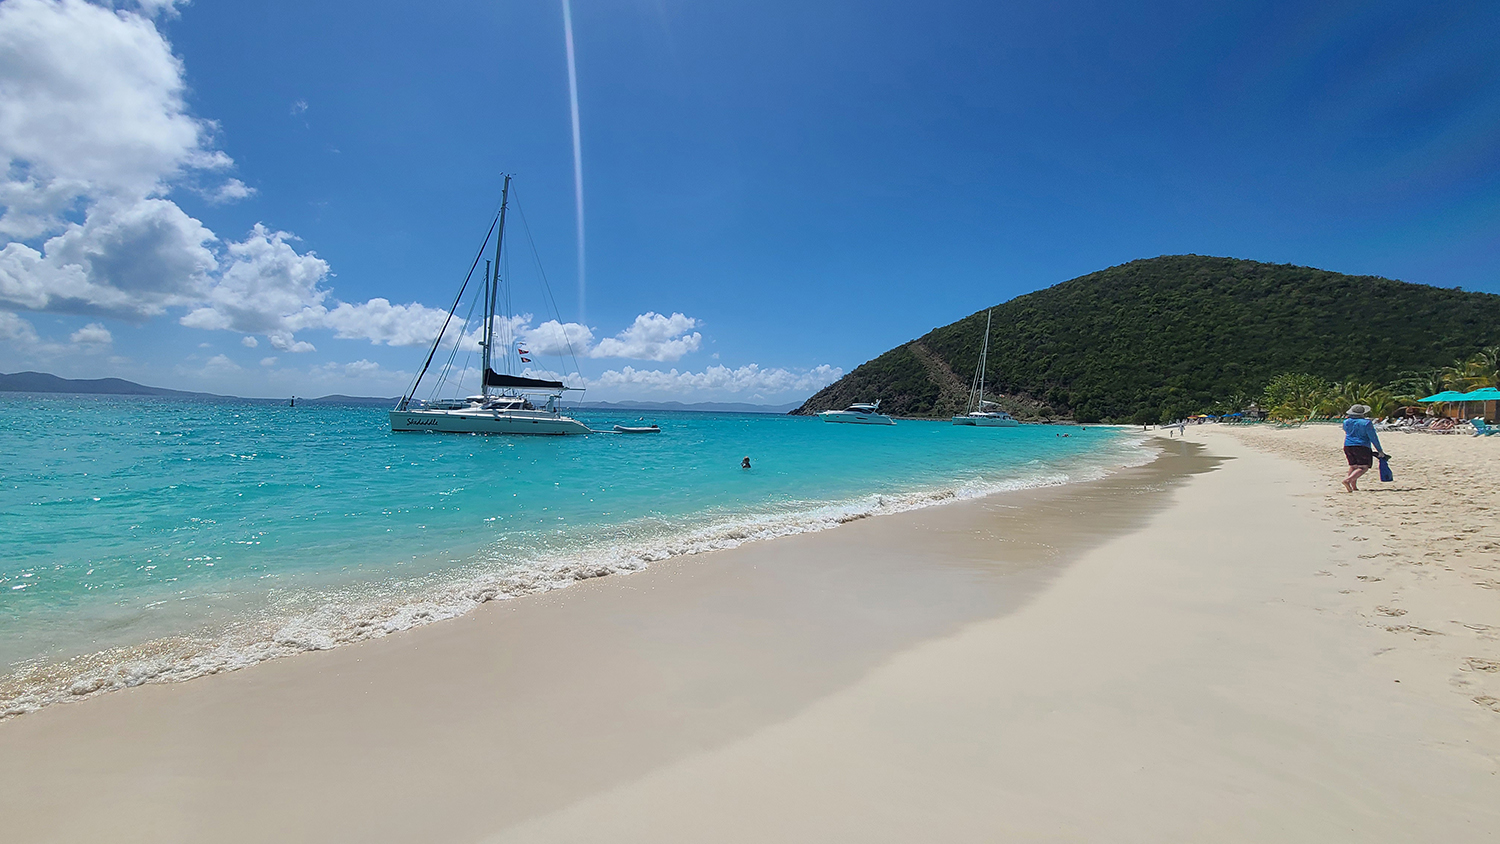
(41, 382)
(1171, 336)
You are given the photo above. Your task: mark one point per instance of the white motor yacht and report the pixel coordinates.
(859, 414)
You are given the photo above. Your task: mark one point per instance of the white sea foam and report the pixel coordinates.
(319, 620)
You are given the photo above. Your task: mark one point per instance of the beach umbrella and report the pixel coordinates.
(1446, 395)
(1481, 394)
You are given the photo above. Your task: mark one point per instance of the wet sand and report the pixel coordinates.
(1149, 657)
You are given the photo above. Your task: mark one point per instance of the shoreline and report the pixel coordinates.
(1175, 652)
(344, 615)
(575, 688)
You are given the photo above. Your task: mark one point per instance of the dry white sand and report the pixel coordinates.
(1213, 677)
(1162, 656)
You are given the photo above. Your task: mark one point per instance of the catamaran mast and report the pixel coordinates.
(984, 357)
(492, 294)
(484, 343)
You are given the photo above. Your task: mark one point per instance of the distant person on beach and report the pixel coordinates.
(1361, 445)
(745, 464)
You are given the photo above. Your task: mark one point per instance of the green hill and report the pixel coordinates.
(1175, 334)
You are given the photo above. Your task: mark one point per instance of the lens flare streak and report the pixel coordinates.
(567, 10)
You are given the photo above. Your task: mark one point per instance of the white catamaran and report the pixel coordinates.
(981, 413)
(505, 402)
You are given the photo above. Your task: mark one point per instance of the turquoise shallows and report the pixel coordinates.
(224, 532)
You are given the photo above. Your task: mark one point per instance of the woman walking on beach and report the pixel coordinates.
(1360, 444)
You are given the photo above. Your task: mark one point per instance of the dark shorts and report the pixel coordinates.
(1359, 455)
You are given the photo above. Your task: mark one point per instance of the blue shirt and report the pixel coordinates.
(1361, 432)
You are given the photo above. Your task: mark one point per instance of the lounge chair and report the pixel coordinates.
(1442, 426)
(1482, 428)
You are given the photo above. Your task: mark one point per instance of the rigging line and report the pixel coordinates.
(547, 286)
(456, 299)
(453, 353)
(508, 337)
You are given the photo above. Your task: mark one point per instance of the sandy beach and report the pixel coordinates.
(1218, 646)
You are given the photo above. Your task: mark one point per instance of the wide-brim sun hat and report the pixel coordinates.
(1358, 411)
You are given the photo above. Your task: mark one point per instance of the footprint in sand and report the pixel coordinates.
(1412, 628)
(1393, 612)
(1369, 578)
(1474, 663)
(1488, 702)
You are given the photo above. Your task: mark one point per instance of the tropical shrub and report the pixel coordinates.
(1295, 395)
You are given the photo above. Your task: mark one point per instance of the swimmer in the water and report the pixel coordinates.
(745, 464)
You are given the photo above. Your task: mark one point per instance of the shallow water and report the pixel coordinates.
(162, 538)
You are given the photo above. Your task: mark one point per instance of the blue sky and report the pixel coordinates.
(275, 198)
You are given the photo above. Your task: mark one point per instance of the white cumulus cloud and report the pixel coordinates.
(749, 381)
(555, 338)
(232, 190)
(93, 108)
(265, 283)
(652, 337)
(379, 321)
(750, 378)
(94, 126)
(92, 334)
(20, 341)
(15, 329)
(131, 260)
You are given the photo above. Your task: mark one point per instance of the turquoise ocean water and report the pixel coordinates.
(155, 539)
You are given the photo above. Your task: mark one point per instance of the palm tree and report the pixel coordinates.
(1294, 395)
(1411, 387)
(1482, 369)
(1346, 394)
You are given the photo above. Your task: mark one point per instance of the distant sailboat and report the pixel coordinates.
(504, 404)
(981, 413)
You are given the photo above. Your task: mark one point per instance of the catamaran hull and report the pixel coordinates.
(856, 418)
(986, 421)
(481, 422)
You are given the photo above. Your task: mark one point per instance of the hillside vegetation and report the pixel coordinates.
(1176, 335)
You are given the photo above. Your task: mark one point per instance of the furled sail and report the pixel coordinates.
(495, 379)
